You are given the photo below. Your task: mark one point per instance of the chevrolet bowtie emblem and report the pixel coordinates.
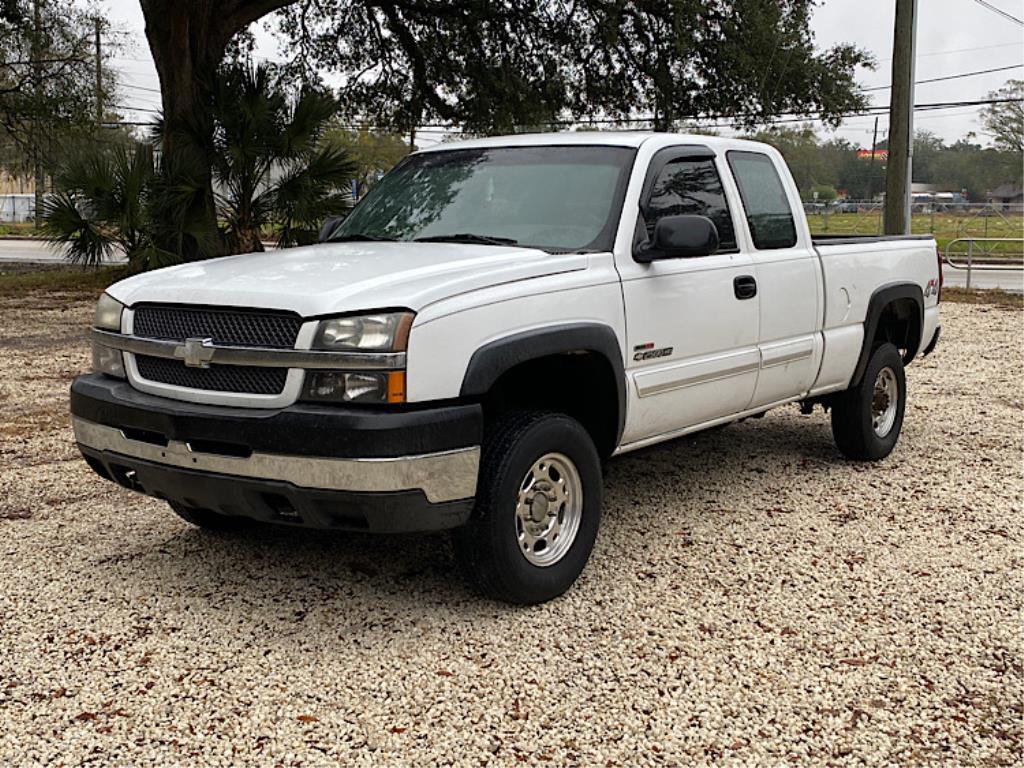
(195, 353)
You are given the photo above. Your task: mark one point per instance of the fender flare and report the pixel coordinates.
(880, 299)
(492, 360)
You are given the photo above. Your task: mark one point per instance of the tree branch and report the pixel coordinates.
(408, 43)
(242, 13)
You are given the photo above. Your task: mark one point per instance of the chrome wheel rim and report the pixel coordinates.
(549, 507)
(884, 401)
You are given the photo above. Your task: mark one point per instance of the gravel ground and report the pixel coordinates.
(753, 600)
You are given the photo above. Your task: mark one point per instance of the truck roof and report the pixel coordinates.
(595, 138)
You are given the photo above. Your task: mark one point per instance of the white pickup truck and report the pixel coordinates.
(491, 322)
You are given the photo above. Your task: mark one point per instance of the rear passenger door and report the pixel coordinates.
(691, 331)
(788, 278)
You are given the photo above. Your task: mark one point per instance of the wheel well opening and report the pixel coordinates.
(580, 384)
(900, 325)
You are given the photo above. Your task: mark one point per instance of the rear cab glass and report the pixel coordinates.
(768, 212)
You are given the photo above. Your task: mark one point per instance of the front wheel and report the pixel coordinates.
(537, 512)
(867, 418)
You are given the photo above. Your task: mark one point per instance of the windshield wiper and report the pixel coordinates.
(467, 237)
(360, 236)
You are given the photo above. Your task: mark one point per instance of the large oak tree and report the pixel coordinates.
(487, 65)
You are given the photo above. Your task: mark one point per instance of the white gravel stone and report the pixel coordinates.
(753, 599)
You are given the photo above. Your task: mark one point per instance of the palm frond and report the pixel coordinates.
(83, 240)
(310, 116)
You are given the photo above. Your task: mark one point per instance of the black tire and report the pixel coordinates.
(488, 547)
(207, 519)
(852, 413)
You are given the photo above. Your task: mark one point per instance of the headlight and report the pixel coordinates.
(355, 387)
(384, 332)
(108, 313)
(372, 332)
(107, 317)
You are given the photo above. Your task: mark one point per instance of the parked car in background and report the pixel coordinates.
(848, 206)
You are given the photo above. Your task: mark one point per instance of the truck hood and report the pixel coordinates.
(332, 278)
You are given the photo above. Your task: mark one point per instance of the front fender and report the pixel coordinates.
(492, 360)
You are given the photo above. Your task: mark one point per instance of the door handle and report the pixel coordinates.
(745, 287)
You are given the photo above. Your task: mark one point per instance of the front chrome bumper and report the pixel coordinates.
(442, 477)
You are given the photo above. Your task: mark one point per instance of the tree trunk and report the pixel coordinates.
(250, 240)
(187, 40)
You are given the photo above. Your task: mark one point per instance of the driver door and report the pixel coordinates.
(692, 323)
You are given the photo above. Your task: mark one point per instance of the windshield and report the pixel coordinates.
(558, 199)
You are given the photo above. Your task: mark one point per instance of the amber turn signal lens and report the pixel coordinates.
(396, 387)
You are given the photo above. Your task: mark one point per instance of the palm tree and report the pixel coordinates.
(121, 199)
(100, 207)
(270, 161)
(271, 166)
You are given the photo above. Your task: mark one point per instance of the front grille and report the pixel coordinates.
(230, 327)
(250, 380)
(227, 327)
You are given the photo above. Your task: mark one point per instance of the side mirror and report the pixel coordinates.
(678, 237)
(327, 228)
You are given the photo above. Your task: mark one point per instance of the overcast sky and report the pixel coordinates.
(953, 37)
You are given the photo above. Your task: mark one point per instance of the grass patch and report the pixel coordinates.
(16, 281)
(945, 227)
(983, 296)
(19, 229)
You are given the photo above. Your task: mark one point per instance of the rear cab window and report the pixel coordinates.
(690, 185)
(768, 212)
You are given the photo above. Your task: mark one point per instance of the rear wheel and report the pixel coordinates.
(867, 418)
(205, 518)
(537, 512)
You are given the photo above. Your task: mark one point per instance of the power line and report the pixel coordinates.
(964, 50)
(157, 90)
(867, 111)
(700, 120)
(136, 109)
(1000, 11)
(951, 77)
(946, 116)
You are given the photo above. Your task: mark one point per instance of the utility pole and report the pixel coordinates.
(37, 88)
(99, 72)
(871, 163)
(899, 170)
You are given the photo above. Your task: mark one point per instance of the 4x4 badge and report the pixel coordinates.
(195, 353)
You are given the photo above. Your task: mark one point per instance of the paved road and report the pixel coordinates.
(32, 252)
(36, 252)
(1007, 279)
